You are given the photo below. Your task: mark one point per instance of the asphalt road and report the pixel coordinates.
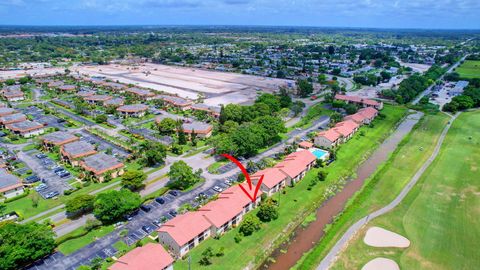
(355, 228)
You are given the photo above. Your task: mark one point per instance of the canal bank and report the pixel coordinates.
(304, 238)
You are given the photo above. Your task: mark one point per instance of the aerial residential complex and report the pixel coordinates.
(129, 148)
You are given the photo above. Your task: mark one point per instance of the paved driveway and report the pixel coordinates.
(44, 171)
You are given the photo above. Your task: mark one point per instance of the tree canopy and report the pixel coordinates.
(182, 176)
(133, 180)
(24, 244)
(113, 205)
(80, 204)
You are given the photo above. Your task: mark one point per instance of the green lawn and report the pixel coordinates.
(25, 208)
(440, 214)
(216, 165)
(385, 184)
(313, 113)
(254, 249)
(470, 69)
(73, 245)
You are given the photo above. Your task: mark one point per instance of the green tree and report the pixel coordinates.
(167, 126)
(350, 108)
(22, 244)
(249, 225)
(321, 176)
(207, 255)
(268, 211)
(113, 205)
(182, 137)
(271, 100)
(285, 99)
(133, 180)
(304, 88)
(297, 107)
(335, 117)
(80, 204)
(193, 138)
(152, 153)
(101, 118)
(3, 207)
(182, 176)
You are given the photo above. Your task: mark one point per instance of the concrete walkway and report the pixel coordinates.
(330, 258)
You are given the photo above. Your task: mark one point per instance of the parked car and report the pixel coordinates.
(64, 174)
(228, 182)
(173, 213)
(217, 189)
(145, 208)
(58, 169)
(173, 192)
(40, 187)
(147, 228)
(157, 222)
(32, 179)
(160, 200)
(51, 194)
(131, 215)
(41, 156)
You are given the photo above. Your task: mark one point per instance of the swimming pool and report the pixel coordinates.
(319, 153)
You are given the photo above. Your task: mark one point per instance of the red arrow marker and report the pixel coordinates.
(247, 177)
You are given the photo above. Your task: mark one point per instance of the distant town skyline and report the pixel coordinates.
(431, 14)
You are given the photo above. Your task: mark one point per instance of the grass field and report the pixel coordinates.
(384, 185)
(470, 69)
(313, 113)
(73, 245)
(252, 250)
(440, 214)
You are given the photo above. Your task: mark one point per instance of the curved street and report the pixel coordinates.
(330, 258)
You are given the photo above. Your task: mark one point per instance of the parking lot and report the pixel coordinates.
(44, 168)
(39, 116)
(103, 145)
(139, 226)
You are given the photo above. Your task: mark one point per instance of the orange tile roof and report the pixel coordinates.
(185, 227)
(331, 135)
(305, 144)
(271, 176)
(346, 128)
(368, 112)
(152, 256)
(296, 163)
(357, 117)
(229, 204)
(357, 100)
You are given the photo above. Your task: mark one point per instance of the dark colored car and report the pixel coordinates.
(59, 169)
(148, 229)
(63, 174)
(173, 213)
(160, 200)
(32, 179)
(173, 192)
(146, 208)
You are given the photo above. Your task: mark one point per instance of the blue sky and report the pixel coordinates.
(448, 14)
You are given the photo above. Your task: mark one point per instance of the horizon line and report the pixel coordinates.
(238, 25)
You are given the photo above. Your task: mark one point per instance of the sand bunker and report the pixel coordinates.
(381, 264)
(378, 237)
